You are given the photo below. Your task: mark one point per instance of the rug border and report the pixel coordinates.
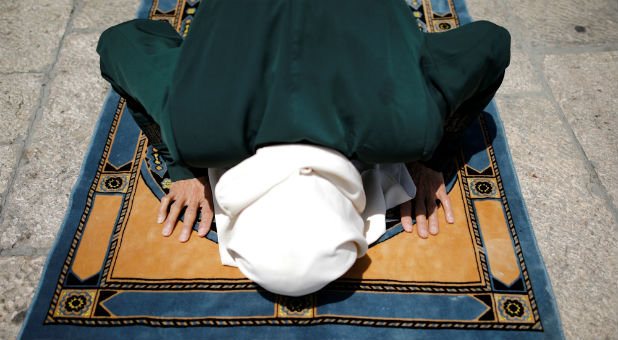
(539, 276)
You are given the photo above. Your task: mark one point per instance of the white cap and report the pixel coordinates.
(292, 217)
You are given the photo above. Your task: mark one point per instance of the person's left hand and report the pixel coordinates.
(191, 195)
(429, 188)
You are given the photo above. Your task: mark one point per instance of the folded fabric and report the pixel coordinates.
(295, 217)
(386, 186)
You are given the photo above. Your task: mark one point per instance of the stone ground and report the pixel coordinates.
(558, 103)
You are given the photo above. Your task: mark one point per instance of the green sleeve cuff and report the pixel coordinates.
(179, 173)
(445, 153)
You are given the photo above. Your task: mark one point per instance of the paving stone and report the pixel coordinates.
(103, 14)
(8, 159)
(31, 31)
(575, 232)
(493, 11)
(520, 75)
(567, 23)
(19, 95)
(19, 278)
(51, 164)
(585, 86)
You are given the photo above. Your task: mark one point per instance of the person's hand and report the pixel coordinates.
(429, 188)
(192, 194)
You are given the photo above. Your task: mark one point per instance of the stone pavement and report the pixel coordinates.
(559, 104)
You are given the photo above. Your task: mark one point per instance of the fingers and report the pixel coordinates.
(426, 215)
(405, 210)
(445, 201)
(421, 219)
(163, 206)
(172, 218)
(187, 226)
(190, 216)
(206, 221)
(432, 211)
(430, 189)
(189, 195)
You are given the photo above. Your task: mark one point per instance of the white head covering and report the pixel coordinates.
(289, 217)
(295, 217)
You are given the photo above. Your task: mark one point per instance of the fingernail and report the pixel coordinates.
(160, 219)
(424, 233)
(167, 231)
(450, 219)
(433, 230)
(184, 236)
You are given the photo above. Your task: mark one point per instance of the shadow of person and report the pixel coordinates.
(475, 139)
(336, 291)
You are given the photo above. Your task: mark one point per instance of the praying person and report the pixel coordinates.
(297, 123)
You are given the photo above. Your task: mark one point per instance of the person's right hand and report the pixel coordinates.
(192, 194)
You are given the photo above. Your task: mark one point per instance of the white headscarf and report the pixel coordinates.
(295, 217)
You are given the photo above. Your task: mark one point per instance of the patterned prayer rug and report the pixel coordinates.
(111, 274)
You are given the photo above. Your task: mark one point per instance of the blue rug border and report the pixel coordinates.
(550, 315)
(541, 286)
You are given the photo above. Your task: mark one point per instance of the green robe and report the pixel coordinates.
(356, 76)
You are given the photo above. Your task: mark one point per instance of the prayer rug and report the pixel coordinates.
(112, 275)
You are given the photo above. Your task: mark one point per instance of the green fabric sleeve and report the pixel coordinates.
(137, 58)
(469, 64)
(457, 123)
(152, 131)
